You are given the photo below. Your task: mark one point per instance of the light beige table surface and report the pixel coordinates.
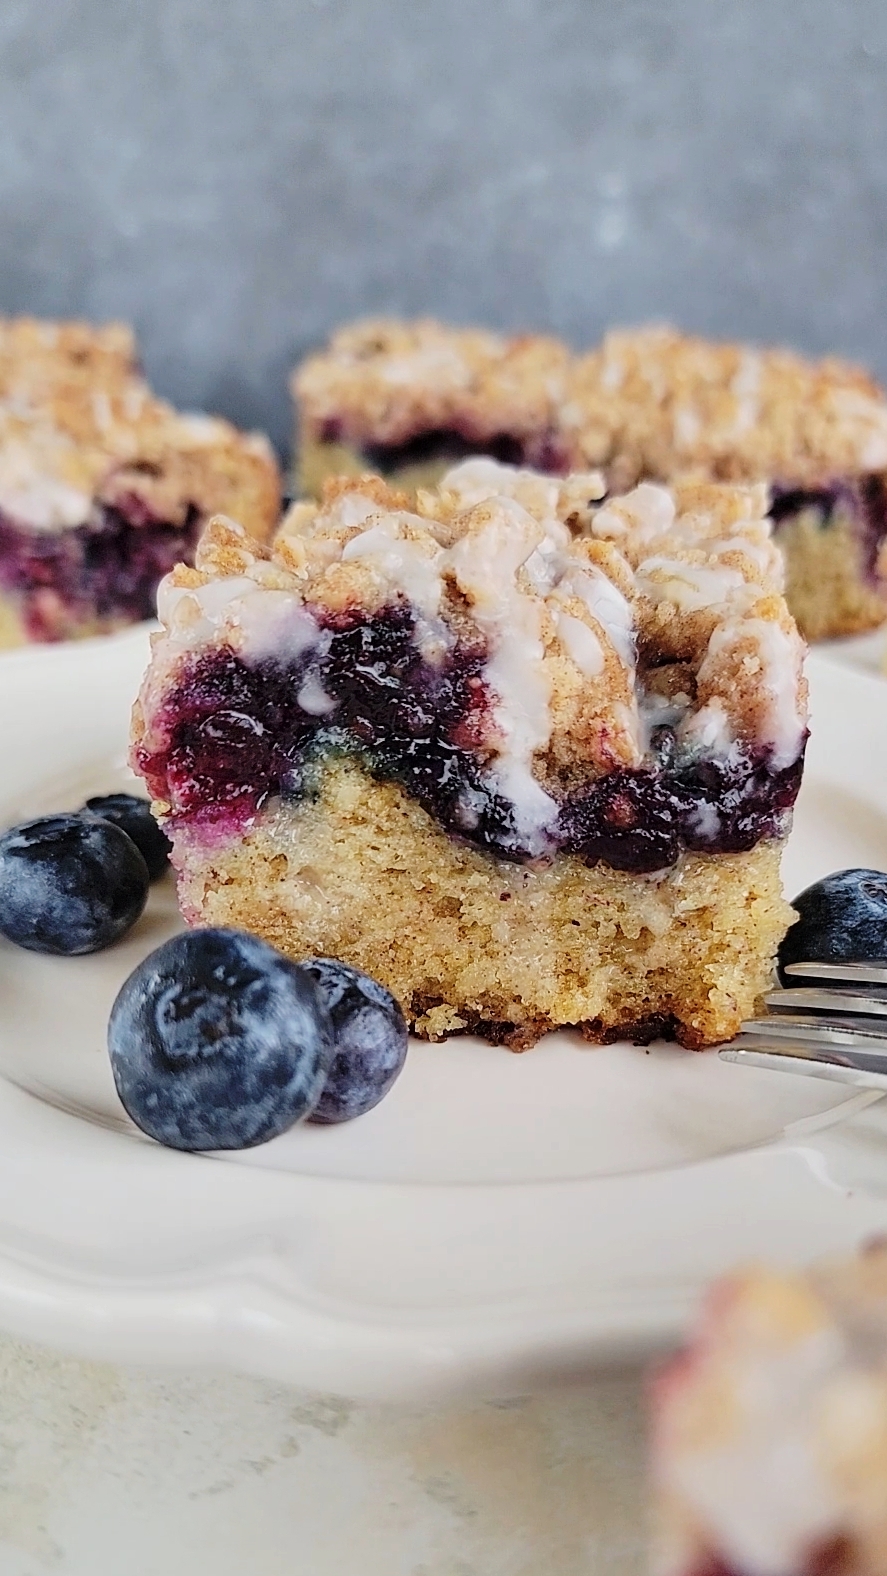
(107, 1471)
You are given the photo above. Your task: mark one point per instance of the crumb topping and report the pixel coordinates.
(80, 426)
(653, 403)
(646, 404)
(771, 1434)
(382, 381)
(601, 623)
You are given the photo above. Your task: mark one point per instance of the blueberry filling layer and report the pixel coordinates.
(447, 446)
(107, 570)
(232, 734)
(863, 503)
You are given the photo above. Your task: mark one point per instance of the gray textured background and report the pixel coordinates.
(237, 176)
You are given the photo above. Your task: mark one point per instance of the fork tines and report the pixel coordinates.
(848, 973)
(834, 1027)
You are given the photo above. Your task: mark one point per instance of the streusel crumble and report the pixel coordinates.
(104, 487)
(526, 756)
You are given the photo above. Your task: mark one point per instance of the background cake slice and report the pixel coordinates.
(658, 404)
(408, 399)
(646, 405)
(770, 1433)
(104, 487)
(527, 759)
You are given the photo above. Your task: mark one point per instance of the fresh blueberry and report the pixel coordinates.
(69, 884)
(218, 1042)
(841, 919)
(133, 816)
(370, 1035)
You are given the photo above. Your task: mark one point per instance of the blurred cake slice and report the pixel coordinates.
(103, 487)
(656, 404)
(526, 758)
(409, 399)
(770, 1433)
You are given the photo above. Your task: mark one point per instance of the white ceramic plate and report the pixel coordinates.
(496, 1220)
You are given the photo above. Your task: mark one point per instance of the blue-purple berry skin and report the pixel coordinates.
(133, 815)
(370, 1036)
(69, 884)
(218, 1042)
(841, 919)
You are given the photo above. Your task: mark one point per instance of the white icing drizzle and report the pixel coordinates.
(706, 819)
(692, 587)
(30, 492)
(433, 362)
(763, 553)
(257, 622)
(606, 604)
(645, 514)
(485, 563)
(781, 654)
(856, 408)
(351, 508)
(659, 711)
(582, 644)
(709, 730)
(410, 567)
(480, 478)
(746, 389)
(199, 427)
(687, 427)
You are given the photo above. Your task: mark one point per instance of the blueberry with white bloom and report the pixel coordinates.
(69, 884)
(219, 1042)
(841, 919)
(133, 815)
(371, 1040)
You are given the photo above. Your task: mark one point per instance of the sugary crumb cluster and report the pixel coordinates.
(381, 381)
(770, 1445)
(79, 426)
(597, 622)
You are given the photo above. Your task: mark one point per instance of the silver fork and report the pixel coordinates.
(834, 1027)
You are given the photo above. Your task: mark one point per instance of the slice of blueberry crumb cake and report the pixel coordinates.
(104, 487)
(409, 399)
(525, 754)
(770, 1432)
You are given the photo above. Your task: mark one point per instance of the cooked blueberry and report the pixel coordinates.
(133, 816)
(218, 1042)
(370, 1038)
(841, 919)
(69, 884)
